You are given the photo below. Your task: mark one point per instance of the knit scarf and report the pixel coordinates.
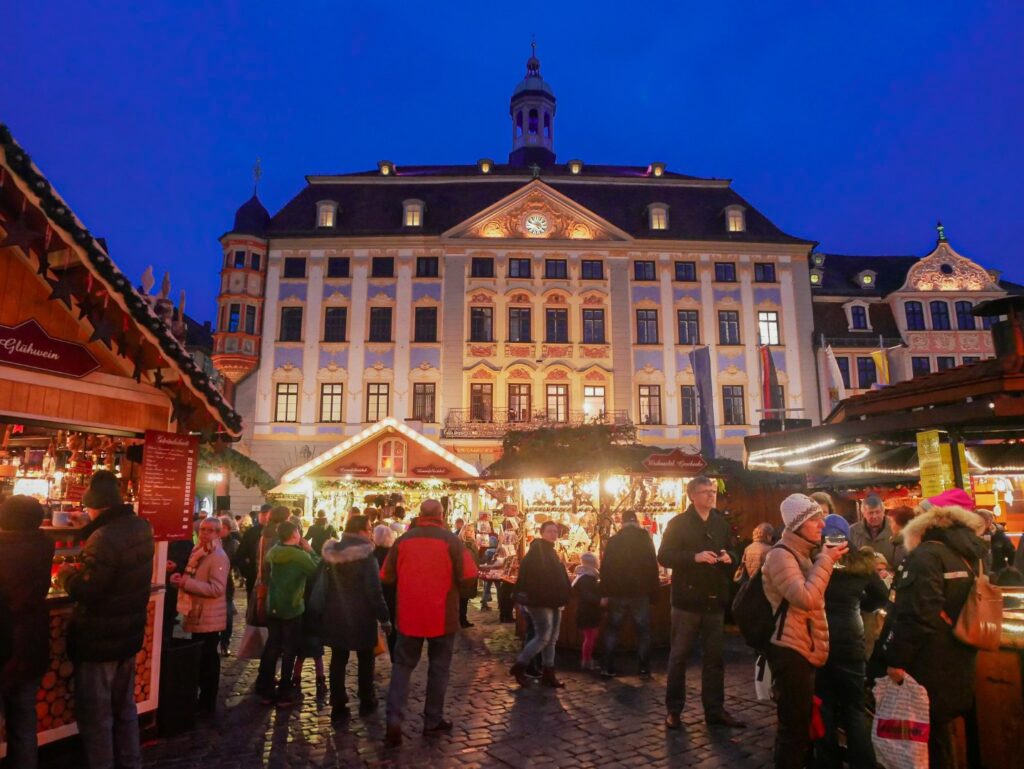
(199, 552)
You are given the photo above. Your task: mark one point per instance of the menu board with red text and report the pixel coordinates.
(168, 483)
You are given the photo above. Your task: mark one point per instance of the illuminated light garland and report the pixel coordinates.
(365, 435)
(758, 457)
(972, 459)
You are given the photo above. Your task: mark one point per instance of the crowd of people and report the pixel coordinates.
(849, 603)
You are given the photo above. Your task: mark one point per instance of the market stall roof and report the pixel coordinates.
(362, 456)
(82, 275)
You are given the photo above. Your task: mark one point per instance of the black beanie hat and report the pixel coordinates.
(20, 513)
(104, 491)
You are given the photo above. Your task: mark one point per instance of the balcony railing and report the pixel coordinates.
(481, 423)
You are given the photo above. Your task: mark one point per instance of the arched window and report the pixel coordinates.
(391, 457)
(915, 316)
(547, 126)
(531, 125)
(519, 124)
(940, 315)
(964, 320)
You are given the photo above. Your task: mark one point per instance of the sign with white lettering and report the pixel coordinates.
(167, 488)
(675, 462)
(27, 345)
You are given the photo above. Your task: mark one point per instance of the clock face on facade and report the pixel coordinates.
(536, 224)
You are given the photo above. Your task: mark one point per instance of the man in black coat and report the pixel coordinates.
(111, 588)
(247, 557)
(629, 580)
(699, 547)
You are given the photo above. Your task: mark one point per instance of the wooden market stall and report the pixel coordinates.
(88, 369)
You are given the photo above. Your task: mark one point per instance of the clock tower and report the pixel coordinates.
(533, 119)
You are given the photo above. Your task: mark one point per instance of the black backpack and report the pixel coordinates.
(752, 612)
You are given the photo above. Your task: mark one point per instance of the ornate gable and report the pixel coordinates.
(537, 212)
(946, 270)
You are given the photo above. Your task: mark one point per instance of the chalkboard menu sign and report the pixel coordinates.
(168, 483)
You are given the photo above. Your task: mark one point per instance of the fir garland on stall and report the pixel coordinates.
(246, 469)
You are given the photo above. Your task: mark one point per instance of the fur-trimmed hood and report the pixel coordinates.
(941, 518)
(349, 549)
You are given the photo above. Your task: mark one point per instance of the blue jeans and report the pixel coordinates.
(486, 597)
(639, 608)
(545, 628)
(407, 656)
(107, 718)
(18, 707)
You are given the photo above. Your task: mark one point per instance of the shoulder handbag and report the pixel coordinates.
(980, 623)
(256, 610)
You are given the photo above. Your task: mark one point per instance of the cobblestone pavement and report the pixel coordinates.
(590, 723)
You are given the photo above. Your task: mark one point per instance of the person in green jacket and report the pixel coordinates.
(291, 565)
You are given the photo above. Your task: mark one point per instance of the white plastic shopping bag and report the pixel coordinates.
(900, 729)
(762, 679)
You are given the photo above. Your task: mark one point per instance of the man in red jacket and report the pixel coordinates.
(428, 565)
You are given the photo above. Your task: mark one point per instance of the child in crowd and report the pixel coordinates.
(585, 585)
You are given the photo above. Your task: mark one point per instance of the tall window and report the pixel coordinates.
(940, 315)
(481, 324)
(728, 327)
(689, 326)
(330, 402)
(650, 404)
(291, 324)
(250, 319)
(644, 271)
(915, 316)
(593, 402)
(426, 266)
(764, 272)
(593, 326)
(337, 266)
(689, 402)
(256, 262)
(556, 269)
(234, 318)
(686, 272)
(412, 214)
(240, 259)
(377, 396)
(557, 325)
(335, 319)
(423, 397)
(658, 217)
(768, 326)
(867, 375)
(425, 325)
(733, 406)
(592, 269)
(481, 267)
(519, 407)
(391, 457)
(519, 324)
(519, 268)
(481, 398)
(294, 267)
(859, 317)
(920, 365)
(734, 220)
(646, 326)
(943, 362)
(844, 369)
(558, 402)
(286, 402)
(987, 321)
(725, 272)
(964, 320)
(325, 214)
(382, 267)
(380, 324)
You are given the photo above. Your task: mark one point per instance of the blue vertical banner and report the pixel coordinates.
(700, 362)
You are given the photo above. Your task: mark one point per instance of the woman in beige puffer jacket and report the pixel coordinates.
(792, 574)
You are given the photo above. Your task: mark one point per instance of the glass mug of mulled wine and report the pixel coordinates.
(836, 540)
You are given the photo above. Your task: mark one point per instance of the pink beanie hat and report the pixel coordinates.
(953, 498)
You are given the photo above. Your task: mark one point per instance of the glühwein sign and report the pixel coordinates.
(27, 345)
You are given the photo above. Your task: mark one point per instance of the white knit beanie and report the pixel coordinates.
(797, 509)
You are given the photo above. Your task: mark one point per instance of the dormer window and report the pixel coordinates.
(735, 219)
(817, 276)
(657, 216)
(486, 165)
(326, 213)
(866, 279)
(412, 213)
(386, 168)
(656, 169)
(857, 317)
(818, 260)
(575, 166)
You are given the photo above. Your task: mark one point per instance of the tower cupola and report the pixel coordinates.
(532, 110)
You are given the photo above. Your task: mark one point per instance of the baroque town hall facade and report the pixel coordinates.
(468, 300)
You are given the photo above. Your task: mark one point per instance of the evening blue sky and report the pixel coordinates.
(854, 124)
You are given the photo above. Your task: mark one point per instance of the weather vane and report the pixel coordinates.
(941, 230)
(257, 172)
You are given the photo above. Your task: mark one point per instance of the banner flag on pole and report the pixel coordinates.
(881, 359)
(700, 362)
(772, 406)
(836, 386)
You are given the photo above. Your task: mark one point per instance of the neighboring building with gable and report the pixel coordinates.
(468, 300)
